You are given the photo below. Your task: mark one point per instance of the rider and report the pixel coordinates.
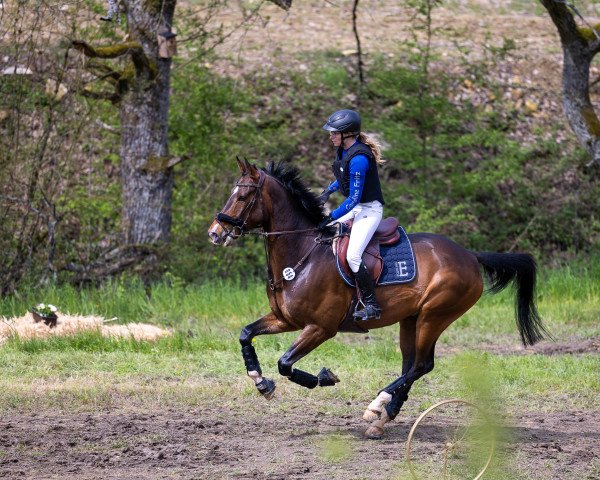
(355, 170)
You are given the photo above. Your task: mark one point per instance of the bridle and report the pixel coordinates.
(239, 228)
(239, 223)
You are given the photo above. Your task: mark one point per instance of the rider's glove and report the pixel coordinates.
(325, 195)
(323, 224)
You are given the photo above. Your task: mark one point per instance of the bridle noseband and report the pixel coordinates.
(239, 223)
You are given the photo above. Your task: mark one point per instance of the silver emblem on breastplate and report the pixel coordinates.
(289, 274)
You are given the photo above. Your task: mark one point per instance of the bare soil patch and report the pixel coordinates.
(215, 442)
(573, 346)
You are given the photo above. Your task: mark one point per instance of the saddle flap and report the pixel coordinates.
(371, 256)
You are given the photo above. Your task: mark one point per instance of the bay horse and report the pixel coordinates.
(449, 281)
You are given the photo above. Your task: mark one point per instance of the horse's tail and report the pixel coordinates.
(502, 268)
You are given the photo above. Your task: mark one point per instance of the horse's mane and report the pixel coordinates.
(289, 177)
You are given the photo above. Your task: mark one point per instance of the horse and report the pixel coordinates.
(275, 203)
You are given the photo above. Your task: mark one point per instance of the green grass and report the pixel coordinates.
(202, 359)
(80, 373)
(567, 297)
(166, 304)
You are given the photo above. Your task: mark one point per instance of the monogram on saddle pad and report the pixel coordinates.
(389, 255)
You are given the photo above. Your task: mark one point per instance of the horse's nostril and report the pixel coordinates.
(214, 237)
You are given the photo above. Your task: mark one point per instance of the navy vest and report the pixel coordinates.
(341, 170)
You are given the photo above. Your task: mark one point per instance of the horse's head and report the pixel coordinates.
(243, 210)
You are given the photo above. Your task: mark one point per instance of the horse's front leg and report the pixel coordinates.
(311, 337)
(269, 324)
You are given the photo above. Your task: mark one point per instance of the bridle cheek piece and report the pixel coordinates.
(239, 223)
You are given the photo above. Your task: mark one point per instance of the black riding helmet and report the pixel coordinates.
(343, 121)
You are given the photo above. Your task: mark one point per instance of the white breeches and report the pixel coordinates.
(366, 220)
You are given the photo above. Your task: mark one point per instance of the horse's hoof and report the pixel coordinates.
(374, 433)
(270, 395)
(371, 415)
(327, 378)
(266, 388)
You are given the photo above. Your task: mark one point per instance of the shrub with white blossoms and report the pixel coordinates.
(45, 308)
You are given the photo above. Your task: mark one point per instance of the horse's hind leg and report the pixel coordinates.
(428, 329)
(269, 324)
(407, 347)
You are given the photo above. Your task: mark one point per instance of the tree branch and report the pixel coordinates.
(111, 97)
(139, 58)
(112, 51)
(565, 23)
(358, 48)
(113, 262)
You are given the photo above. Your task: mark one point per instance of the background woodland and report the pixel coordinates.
(467, 106)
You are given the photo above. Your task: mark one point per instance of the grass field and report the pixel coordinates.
(200, 365)
(202, 359)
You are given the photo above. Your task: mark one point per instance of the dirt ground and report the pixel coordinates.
(213, 443)
(569, 347)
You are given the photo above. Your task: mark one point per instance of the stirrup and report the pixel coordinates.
(368, 312)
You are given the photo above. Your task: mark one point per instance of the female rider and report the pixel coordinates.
(355, 170)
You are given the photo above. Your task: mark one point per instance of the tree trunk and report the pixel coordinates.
(576, 100)
(147, 178)
(579, 48)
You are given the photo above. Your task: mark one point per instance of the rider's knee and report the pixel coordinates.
(354, 259)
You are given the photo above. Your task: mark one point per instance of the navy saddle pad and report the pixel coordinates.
(399, 265)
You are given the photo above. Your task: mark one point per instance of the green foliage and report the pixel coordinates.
(454, 167)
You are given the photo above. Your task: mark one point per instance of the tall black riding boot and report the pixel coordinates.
(367, 290)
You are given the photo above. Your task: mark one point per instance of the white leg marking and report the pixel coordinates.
(375, 408)
(381, 401)
(254, 375)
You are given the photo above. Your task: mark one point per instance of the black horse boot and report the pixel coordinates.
(366, 286)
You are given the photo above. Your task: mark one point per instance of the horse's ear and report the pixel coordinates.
(242, 165)
(251, 169)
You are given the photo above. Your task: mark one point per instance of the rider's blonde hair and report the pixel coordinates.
(372, 144)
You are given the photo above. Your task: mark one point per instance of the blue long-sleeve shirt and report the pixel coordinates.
(359, 166)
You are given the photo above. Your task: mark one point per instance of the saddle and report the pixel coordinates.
(387, 233)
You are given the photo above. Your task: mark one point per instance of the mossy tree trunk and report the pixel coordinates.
(141, 90)
(147, 177)
(579, 46)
